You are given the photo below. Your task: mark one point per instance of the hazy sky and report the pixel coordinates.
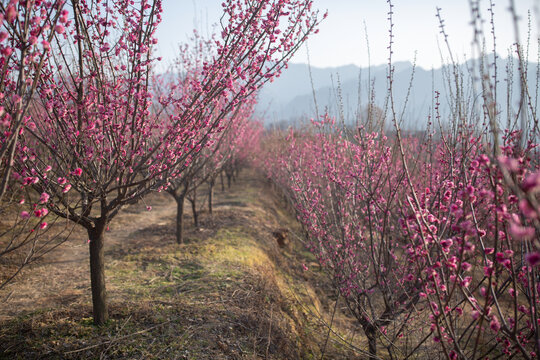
(341, 39)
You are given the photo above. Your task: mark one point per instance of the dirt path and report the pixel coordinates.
(62, 277)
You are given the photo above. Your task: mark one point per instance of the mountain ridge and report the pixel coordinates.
(290, 97)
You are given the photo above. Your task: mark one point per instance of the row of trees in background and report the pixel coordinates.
(87, 127)
(431, 239)
(433, 251)
(227, 154)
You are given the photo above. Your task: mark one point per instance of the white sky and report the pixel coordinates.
(341, 39)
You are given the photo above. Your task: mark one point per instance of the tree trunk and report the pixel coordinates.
(371, 334)
(229, 180)
(193, 202)
(210, 195)
(222, 182)
(179, 218)
(236, 173)
(97, 274)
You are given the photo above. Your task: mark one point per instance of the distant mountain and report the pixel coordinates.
(345, 90)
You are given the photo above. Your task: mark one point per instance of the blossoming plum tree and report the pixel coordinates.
(98, 139)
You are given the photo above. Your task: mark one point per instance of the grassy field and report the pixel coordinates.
(229, 292)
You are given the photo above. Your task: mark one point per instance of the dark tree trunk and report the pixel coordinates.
(236, 173)
(222, 182)
(179, 218)
(229, 180)
(97, 274)
(193, 202)
(210, 195)
(371, 334)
